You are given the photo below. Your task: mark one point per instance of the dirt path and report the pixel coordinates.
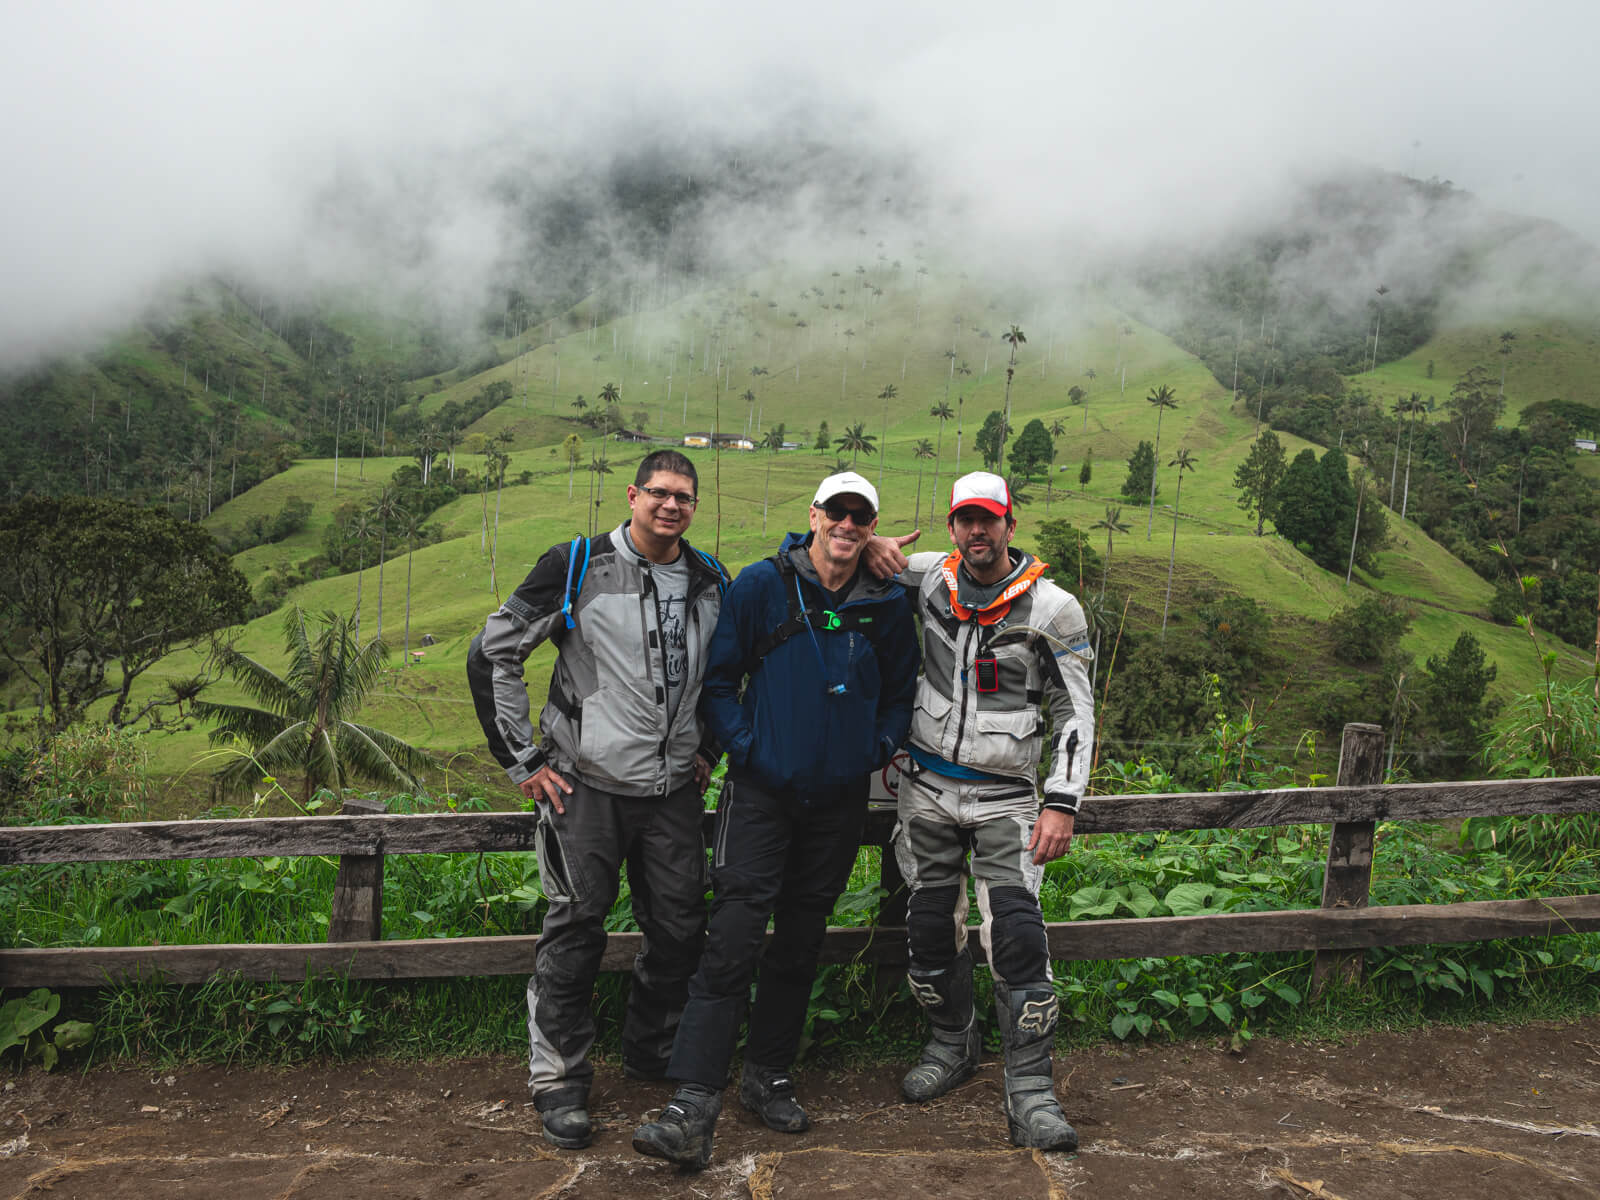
(1460, 1113)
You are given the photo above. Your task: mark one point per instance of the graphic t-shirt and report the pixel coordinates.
(672, 609)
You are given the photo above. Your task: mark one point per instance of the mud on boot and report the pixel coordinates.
(567, 1126)
(769, 1094)
(1028, 1015)
(950, 1057)
(683, 1132)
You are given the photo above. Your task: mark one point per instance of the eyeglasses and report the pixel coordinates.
(661, 495)
(835, 511)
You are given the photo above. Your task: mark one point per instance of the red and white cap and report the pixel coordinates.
(982, 490)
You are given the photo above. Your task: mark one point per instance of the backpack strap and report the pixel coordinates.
(571, 592)
(818, 619)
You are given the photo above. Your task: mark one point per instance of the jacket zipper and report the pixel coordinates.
(961, 723)
(648, 593)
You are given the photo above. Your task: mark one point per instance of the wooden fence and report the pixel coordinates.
(1340, 928)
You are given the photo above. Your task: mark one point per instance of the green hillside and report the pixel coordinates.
(815, 373)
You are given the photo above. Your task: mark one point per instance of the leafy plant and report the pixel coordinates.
(22, 1023)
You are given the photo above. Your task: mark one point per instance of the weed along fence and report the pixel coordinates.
(1342, 926)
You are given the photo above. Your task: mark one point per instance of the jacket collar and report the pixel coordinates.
(864, 586)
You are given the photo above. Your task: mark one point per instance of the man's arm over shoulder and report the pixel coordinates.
(739, 625)
(530, 614)
(899, 658)
(1067, 653)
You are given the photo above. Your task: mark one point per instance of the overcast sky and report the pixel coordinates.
(148, 141)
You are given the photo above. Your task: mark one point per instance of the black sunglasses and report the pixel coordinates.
(659, 495)
(835, 511)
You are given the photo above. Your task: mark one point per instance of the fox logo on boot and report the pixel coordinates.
(926, 994)
(1037, 1016)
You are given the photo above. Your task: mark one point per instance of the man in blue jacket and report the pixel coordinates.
(831, 657)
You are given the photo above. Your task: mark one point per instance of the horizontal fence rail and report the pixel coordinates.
(1343, 926)
(454, 833)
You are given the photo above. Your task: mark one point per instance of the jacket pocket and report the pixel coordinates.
(616, 740)
(1007, 742)
(928, 720)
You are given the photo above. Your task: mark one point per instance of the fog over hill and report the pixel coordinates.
(417, 149)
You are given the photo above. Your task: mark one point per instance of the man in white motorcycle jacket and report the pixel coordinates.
(1005, 655)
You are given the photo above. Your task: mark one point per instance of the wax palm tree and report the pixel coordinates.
(1016, 337)
(1055, 429)
(598, 470)
(303, 725)
(359, 532)
(889, 392)
(924, 450)
(857, 441)
(385, 508)
(1184, 462)
(772, 442)
(412, 523)
(1414, 405)
(610, 394)
(1163, 399)
(941, 412)
(1112, 523)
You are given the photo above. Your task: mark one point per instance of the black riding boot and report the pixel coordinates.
(951, 1055)
(1028, 1015)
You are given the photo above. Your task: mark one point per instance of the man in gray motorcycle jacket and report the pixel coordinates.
(1005, 655)
(617, 769)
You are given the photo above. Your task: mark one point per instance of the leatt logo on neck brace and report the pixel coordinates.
(997, 608)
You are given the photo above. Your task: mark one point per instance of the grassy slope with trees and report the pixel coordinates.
(1216, 547)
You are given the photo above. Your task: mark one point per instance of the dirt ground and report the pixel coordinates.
(1462, 1113)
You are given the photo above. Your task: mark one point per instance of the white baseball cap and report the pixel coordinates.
(983, 490)
(845, 483)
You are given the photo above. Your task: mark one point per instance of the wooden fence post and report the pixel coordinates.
(1348, 880)
(357, 912)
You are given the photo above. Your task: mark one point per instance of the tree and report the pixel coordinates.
(889, 392)
(1112, 523)
(385, 508)
(1141, 471)
(1413, 405)
(991, 439)
(824, 442)
(95, 592)
(1086, 471)
(304, 723)
(599, 468)
(1016, 337)
(572, 447)
(1454, 708)
(1163, 399)
(857, 441)
(1506, 338)
(1184, 462)
(922, 452)
(1032, 449)
(413, 527)
(1473, 411)
(941, 412)
(1066, 548)
(772, 442)
(1076, 395)
(1301, 504)
(1258, 476)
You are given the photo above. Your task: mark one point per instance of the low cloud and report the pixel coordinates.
(305, 146)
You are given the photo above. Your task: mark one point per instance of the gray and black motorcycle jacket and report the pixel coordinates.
(1041, 649)
(607, 716)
